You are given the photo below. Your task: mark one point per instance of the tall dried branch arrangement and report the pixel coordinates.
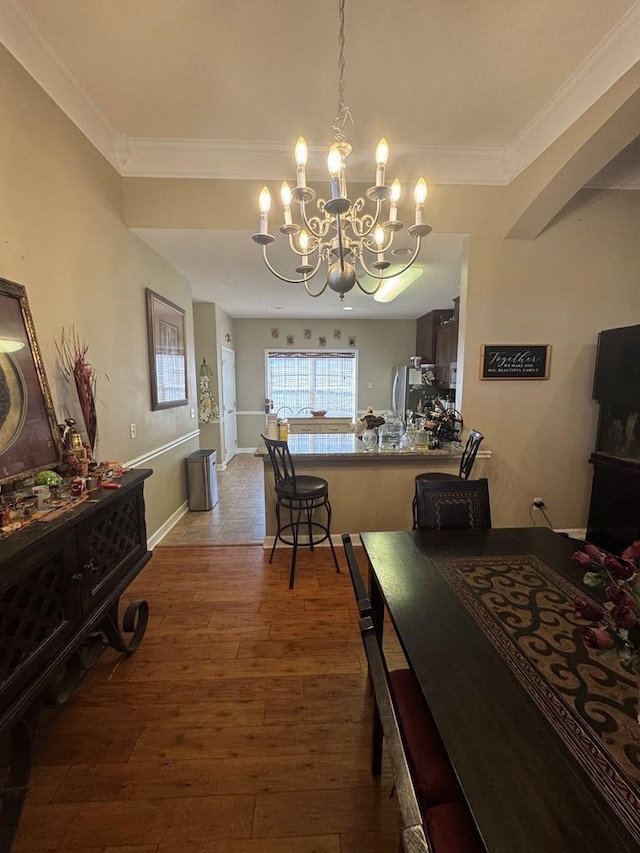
(73, 363)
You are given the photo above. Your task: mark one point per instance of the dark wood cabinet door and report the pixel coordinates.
(111, 543)
(426, 333)
(446, 351)
(40, 609)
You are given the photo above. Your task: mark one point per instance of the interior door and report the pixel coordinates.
(229, 420)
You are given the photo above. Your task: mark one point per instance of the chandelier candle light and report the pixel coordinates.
(343, 235)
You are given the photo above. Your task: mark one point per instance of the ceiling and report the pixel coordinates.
(470, 91)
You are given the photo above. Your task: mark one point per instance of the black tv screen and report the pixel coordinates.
(617, 377)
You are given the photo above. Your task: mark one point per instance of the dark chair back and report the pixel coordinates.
(453, 504)
(281, 461)
(469, 453)
(412, 827)
(359, 588)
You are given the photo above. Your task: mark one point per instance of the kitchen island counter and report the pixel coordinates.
(368, 490)
(339, 446)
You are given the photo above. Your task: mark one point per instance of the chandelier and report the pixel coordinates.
(343, 235)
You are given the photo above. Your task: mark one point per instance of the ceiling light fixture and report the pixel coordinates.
(343, 235)
(393, 287)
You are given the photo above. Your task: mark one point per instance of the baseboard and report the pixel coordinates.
(162, 531)
(223, 465)
(573, 532)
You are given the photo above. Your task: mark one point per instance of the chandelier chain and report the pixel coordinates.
(344, 112)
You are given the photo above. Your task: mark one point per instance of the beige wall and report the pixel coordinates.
(62, 236)
(578, 277)
(380, 344)
(206, 346)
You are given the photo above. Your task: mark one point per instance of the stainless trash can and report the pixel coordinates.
(202, 479)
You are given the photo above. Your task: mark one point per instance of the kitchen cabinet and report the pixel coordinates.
(426, 333)
(311, 425)
(60, 587)
(447, 349)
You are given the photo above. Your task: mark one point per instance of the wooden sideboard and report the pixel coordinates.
(60, 588)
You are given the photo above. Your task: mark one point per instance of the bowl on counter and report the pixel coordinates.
(318, 413)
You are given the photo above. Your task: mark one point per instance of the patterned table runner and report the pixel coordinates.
(527, 611)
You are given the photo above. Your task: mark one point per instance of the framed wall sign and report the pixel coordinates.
(515, 361)
(167, 356)
(29, 435)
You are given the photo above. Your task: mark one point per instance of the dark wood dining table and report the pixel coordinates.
(541, 732)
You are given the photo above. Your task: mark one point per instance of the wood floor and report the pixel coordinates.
(241, 724)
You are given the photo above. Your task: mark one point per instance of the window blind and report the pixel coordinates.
(313, 379)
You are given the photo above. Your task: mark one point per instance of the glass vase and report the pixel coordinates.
(370, 439)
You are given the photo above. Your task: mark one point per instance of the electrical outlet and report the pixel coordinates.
(132, 430)
(539, 503)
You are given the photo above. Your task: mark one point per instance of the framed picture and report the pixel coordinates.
(337, 334)
(167, 356)
(290, 340)
(306, 334)
(322, 341)
(515, 361)
(29, 435)
(352, 342)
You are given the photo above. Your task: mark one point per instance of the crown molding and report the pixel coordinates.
(608, 62)
(26, 40)
(268, 161)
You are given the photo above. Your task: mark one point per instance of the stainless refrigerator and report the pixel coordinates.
(411, 386)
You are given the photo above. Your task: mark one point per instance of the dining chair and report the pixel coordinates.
(411, 829)
(466, 464)
(428, 759)
(425, 826)
(359, 587)
(452, 504)
(302, 496)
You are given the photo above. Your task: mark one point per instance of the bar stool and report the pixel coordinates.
(466, 464)
(302, 496)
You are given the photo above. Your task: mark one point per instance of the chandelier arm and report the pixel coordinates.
(319, 293)
(364, 220)
(290, 280)
(380, 276)
(369, 292)
(373, 247)
(323, 225)
(314, 245)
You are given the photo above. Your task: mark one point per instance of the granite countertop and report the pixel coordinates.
(340, 445)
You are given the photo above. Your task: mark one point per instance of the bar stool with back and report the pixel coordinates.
(466, 464)
(301, 495)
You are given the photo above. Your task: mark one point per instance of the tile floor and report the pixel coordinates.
(237, 518)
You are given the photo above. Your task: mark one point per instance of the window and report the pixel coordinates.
(312, 379)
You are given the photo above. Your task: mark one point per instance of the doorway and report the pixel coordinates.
(229, 418)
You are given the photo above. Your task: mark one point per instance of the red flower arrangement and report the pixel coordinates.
(616, 624)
